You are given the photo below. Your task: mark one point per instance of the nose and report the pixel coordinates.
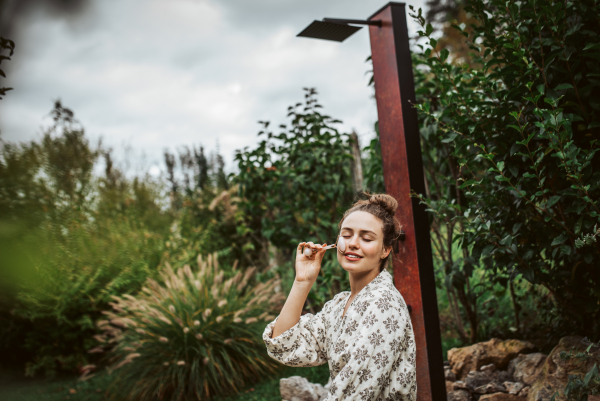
(353, 243)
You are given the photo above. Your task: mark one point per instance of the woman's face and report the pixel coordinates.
(363, 235)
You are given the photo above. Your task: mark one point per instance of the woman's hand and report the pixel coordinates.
(307, 268)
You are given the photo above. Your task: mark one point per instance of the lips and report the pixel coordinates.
(347, 255)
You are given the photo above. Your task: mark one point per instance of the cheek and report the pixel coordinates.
(371, 249)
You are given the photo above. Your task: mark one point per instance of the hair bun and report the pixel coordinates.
(386, 202)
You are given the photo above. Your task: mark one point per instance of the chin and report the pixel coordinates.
(355, 268)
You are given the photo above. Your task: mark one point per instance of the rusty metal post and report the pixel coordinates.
(403, 172)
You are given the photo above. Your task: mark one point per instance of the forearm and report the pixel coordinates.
(292, 310)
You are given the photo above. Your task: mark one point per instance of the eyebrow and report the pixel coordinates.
(360, 231)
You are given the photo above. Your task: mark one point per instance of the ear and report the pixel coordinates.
(386, 252)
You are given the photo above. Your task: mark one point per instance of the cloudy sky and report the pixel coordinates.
(156, 74)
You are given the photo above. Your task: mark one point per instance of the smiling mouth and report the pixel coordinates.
(353, 257)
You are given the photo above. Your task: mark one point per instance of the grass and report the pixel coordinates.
(15, 387)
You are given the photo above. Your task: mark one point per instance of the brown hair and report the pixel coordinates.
(383, 207)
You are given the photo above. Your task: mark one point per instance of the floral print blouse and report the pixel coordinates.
(370, 350)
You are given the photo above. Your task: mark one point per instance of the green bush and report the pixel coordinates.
(69, 240)
(190, 335)
(71, 281)
(294, 186)
(516, 133)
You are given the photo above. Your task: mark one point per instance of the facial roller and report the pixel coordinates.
(341, 246)
(309, 251)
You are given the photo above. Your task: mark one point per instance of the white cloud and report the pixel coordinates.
(164, 73)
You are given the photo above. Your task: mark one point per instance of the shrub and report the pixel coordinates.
(69, 283)
(69, 240)
(295, 186)
(191, 335)
(516, 131)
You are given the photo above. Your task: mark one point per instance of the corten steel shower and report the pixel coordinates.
(403, 172)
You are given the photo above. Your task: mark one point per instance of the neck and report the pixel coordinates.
(358, 281)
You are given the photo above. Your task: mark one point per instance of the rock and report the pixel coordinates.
(491, 368)
(449, 374)
(499, 352)
(493, 387)
(525, 392)
(555, 371)
(502, 376)
(449, 386)
(477, 379)
(514, 388)
(321, 391)
(460, 385)
(593, 397)
(500, 397)
(297, 388)
(459, 395)
(527, 368)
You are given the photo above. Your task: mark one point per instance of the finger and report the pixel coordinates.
(299, 249)
(312, 245)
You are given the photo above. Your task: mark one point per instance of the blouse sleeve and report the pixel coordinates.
(382, 343)
(301, 345)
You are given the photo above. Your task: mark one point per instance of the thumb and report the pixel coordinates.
(320, 253)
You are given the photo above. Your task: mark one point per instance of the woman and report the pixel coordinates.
(364, 334)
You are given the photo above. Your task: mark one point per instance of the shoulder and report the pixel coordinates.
(336, 301)
(383, 296)
(381, 300)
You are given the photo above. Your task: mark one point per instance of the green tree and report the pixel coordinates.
(515, 136)
(294, 186)
(69, 241)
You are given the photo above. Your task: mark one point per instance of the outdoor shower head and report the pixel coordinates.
(334, 29)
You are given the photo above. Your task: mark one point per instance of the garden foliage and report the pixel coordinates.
(579, 387)
(517, 131)
(294, 187)
(71, 239)
(191, 334)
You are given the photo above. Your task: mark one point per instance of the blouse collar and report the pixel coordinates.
(383, 279)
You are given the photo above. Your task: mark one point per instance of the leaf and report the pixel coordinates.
(450, 137)
(552, 201)
(578, 225)
(444, 54)
(560, 239)
(428, 29)
(563, 87)
(487, 250)
(516, 228)
(593, 372)
(468, 183)
(500, 166)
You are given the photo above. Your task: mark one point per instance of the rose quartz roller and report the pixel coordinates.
(309, 251)
(341, 246)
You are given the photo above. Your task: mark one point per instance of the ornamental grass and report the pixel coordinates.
(190, 335)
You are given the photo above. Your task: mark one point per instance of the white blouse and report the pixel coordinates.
(371, 350)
